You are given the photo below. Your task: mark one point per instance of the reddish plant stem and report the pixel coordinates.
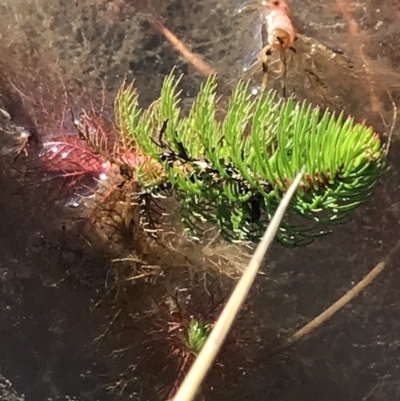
(180, 374)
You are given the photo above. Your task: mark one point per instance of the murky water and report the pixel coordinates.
(70, 328)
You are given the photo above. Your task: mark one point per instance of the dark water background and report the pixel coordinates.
(51, 343)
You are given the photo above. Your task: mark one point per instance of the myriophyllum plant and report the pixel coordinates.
(232, 172)
(197, 334)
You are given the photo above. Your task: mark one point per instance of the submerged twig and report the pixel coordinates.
(390, 135)
(101, 336)
(338, 305)
(178, 45)
(344, 6)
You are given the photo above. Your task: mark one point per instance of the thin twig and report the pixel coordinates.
(101, 336)
(217, 336)
(65, 100)
(339, 304)
(344, 6)
(138, 276)
(128, 259)
(101, 299)
(373, 389)
(393, 123)
(56, 284)
(178, 45)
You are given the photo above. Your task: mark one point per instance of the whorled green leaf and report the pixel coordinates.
(197, 334)
(232, 171)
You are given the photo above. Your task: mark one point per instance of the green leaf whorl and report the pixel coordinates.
(233, 172)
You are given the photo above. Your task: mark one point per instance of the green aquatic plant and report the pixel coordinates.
(231, 169)
(197, 334)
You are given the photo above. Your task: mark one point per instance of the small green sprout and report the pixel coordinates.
(196, 336)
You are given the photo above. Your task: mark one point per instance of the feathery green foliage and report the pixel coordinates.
(233, 173)
(196, 336)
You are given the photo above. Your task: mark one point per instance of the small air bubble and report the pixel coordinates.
(103, 176)
(104, 165)
(73, 202)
